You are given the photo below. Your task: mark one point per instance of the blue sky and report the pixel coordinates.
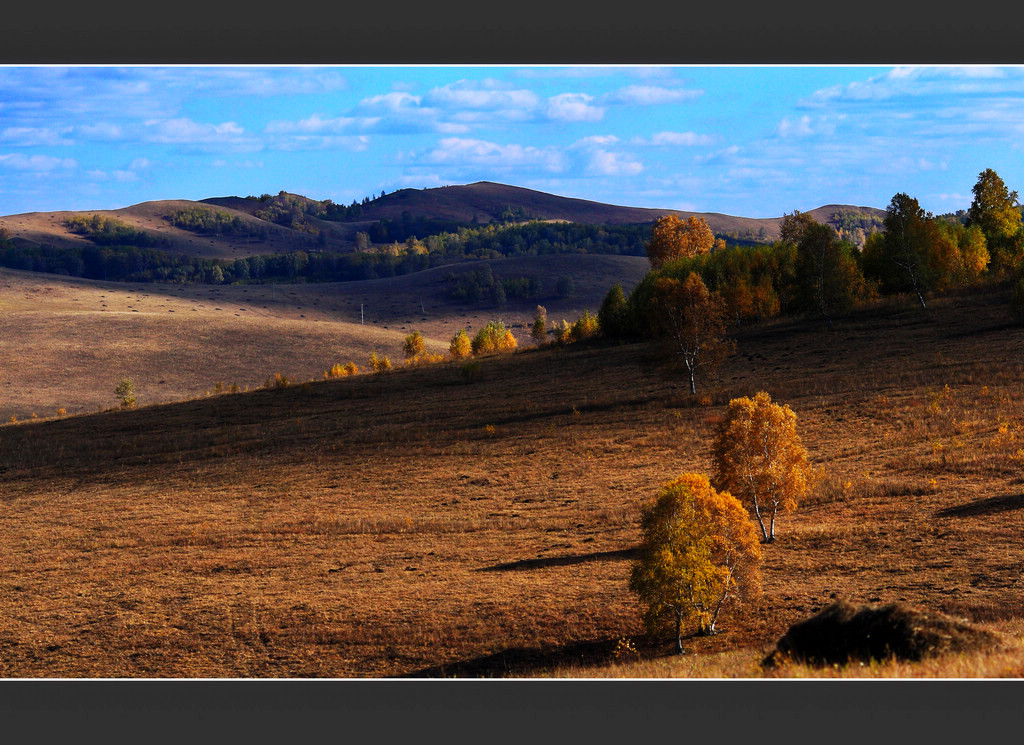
(751, 141)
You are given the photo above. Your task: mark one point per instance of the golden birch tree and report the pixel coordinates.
(672, 238)
(460, 346)
(698, 550)
(759, 457)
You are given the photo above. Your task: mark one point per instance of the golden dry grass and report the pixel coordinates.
(420, 522)
(67, 342)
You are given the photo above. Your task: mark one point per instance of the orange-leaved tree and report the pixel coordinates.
(415, 345)
(460, 346)
(759, 457)
(691, 323)
(698, 549)
(672, 238)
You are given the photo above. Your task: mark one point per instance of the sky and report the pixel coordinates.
(742, 140)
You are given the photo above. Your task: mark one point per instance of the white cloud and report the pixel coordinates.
(38, 163)
(574, 107)
(675, 139)
(596, 141)
(651, 95)
(184, 131)
(607, 163)
(101, 131)
(462, 151)
(355, 143)
(313, 124)
(795, 128)
(485, 94)
(32, 136)
(422, 181)
(395, 102)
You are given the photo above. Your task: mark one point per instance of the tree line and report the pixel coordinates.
(694, 291)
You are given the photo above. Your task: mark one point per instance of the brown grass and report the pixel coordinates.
(421, 522)
(75, 339)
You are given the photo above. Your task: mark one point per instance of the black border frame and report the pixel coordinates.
(528, 32)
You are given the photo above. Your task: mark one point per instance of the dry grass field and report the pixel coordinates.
(67, 342)
(445, 521)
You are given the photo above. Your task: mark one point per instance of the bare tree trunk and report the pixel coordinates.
(772, 536)
(760, 521)
(693, 386)
(679, 632)
(721, 602)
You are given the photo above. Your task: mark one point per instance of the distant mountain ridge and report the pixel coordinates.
(481, 202)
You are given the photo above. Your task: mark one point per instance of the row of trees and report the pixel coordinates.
(109, 231)
(697, 288)
(216, 222)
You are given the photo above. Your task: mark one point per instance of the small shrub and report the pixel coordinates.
(125, 391)
(424, 359)
(563, 332)
(460, 347)
(585, 327)
(539, 331)
(493, 337)
(61, 412)
(379, 364)
(277, 382)
(415, 345)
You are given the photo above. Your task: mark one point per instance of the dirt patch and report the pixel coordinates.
(845, 633)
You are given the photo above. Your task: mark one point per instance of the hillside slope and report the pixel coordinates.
(482, 202)
(426, 523)
(74, 339)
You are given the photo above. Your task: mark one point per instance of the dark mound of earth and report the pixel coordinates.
(843, 633)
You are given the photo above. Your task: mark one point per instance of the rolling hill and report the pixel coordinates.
(481, 202)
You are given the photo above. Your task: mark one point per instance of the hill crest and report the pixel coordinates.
(268, 229)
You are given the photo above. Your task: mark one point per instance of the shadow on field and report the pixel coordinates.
(987, 506)
(524, 661)
(561, 561)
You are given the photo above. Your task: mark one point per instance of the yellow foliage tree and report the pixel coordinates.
(759, 457)
(379, 364)
(691, 323)
(415, 345)
(698, 549)
(539, 331)
(672, 238)
(493, 337)
(460, 347)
